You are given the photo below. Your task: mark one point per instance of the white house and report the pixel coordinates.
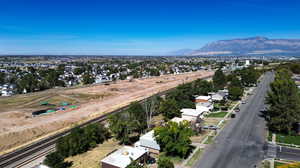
(7, 90)
(191, 114)
(123, 157)
(217, 97)
(203, 109)
(148, 141)
(205, 101)
(180, 119)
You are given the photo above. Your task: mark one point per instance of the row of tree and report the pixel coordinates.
(128, 125)
(236, 81)
(284, 103)
(183, 97)
(78, 141)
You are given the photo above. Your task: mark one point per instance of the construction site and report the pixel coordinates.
(29, 117)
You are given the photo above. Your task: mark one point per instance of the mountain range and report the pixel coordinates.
(247, 46)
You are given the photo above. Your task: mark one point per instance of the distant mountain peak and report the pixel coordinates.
(249, 46)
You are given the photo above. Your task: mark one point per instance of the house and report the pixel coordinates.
(196, 126)
(191, 114)
(205, 101)
(203, 110)
(7, 90)
(215, 97)
(123, 157)
(148, 141)
(180, 119)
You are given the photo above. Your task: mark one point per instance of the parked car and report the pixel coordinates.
(211, 127)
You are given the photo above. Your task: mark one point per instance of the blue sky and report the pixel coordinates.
(139, 27)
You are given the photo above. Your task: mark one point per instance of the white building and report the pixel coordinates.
(191, 114)
(123, 157)
(217, 97)
(180, 119)
(205, 101)
(247, 63)
(148, 141)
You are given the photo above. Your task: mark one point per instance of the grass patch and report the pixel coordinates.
(277, 164)
(217, 115)
(209, 140)
(288, 139)
(92, 158)
(194, 158)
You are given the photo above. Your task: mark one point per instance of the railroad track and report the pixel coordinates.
(28, 152)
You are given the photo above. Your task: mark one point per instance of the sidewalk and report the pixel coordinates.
(214, 133)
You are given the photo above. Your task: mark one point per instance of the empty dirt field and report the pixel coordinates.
(18, 126)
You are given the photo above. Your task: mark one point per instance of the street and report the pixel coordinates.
(242, 142)
(288, 153)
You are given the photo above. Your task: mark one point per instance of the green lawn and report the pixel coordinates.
(194, 158)
(278, 164)
(217, 115)
(288, 139)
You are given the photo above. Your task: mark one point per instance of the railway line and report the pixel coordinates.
(22, 156)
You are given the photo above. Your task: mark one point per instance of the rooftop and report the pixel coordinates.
(203, 98)
(190, 112)
(122, 157)
(148, 140)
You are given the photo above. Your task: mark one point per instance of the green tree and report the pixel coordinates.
(295, 68)
(284, 103)
(2, 78)
(78, 71)
(55, 160)
(81, 140)
(61, 69)
(137, 116)
(249, 76)
(183, 95)
(219, 80)
(235, 92)
(87, 78)
(164, 162)
(28, 81)
(128, 125)
(202, 87)
(169, 109)
(235, 82)
(121, 128)
(174, 138)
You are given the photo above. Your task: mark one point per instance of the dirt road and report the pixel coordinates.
(17, 126)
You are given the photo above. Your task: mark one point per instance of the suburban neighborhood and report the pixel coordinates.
(149, 84)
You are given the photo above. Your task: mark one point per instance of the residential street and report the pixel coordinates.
(288, 153)
(242, 142)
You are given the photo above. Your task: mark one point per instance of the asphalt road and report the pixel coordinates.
(287, 153)
(242, 142)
